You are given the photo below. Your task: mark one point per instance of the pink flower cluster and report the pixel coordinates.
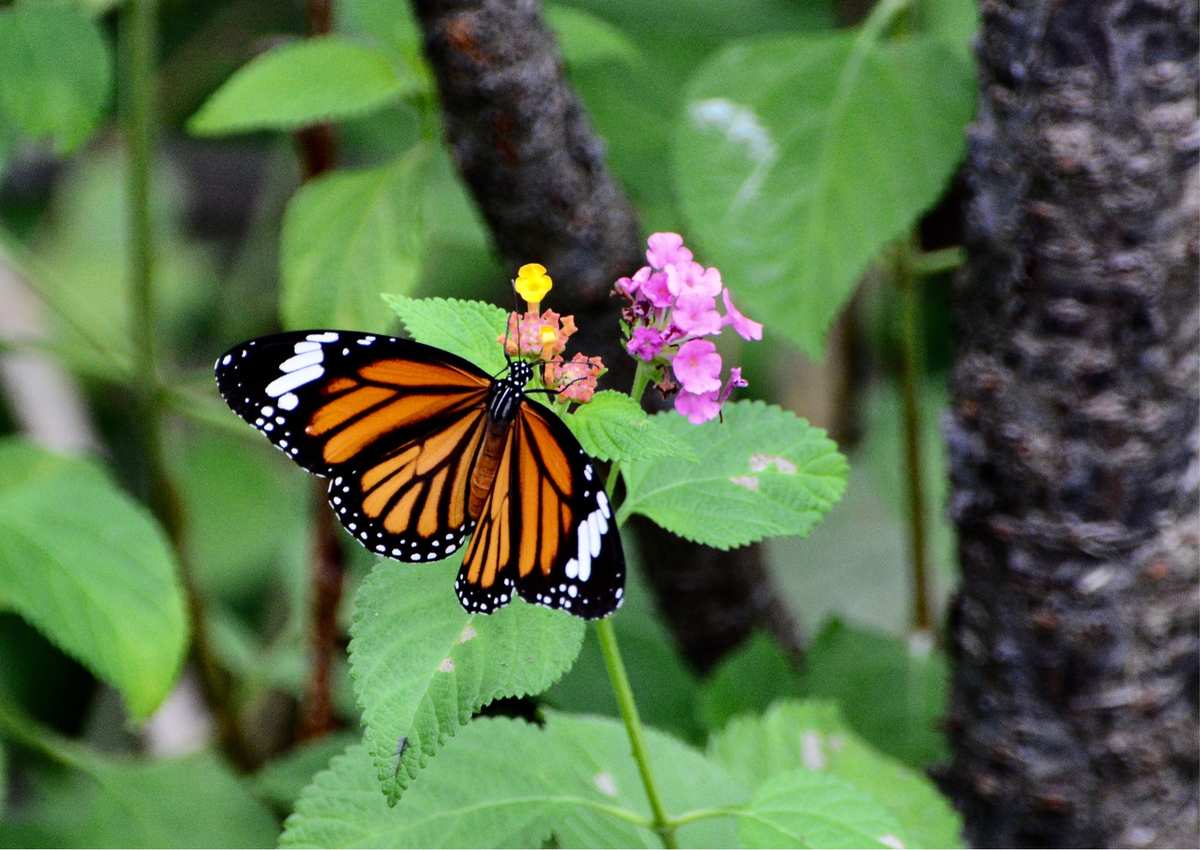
(672, 307)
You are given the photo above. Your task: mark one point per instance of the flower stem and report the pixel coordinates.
(633, 727)
(910, 386)
(619, 679)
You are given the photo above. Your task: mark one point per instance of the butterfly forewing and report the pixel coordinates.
(415, 463)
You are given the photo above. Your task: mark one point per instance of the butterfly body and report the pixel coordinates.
(422, 448)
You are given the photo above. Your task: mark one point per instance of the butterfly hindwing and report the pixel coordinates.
(547, 530)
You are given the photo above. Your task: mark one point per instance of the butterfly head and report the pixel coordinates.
(520, 373)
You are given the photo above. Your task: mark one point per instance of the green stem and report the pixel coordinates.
(943, 260)
(619, 679)
(704, 814)
(910, 387)
(140, 37)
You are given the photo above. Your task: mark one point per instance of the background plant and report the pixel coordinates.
(794, 154)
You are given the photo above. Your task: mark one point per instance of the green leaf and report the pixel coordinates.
(505, 783)
(91, 570)
(470, 329)
(612, 426)
(422, 665)
(749, 679)
(55, 72)
(799, 158)
(319, 79)
(953, 21)
(891, 692)
(586, 39)
(281, 781)
(813, 736)
(347, 237)
(801, 808)
(763, 472)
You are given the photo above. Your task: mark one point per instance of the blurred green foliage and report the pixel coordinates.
(789, 149)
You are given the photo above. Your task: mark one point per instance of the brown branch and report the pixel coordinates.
(523, 144)
(318, 152)
(1074, 438)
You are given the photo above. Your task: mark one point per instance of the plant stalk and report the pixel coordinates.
(910, 389)
(139, 36)
(619, 679)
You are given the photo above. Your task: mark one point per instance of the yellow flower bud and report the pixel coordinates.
(532, 283)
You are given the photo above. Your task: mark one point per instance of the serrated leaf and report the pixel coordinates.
(813, 736)
(586, 39)
(347, 237)
(422, 665)
(330, 78)
(468, 328)
(55, 73)
(763, 472)
(863, 670)
(612, 426)
(801, 808)
(798, 158)
(91, 570)
(506, 783)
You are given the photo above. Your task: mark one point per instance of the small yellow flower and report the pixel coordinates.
(549, 335)
(532, 284)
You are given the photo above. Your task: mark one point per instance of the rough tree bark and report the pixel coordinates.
(1073, 435)
(524, 145)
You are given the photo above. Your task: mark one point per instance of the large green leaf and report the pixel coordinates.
(55, 72)
(892, 692)
(347, 237)
(91, 570)
(505, 783)
(803, 808)
(763, 472)
(586, 39)
(422, 665)
(799, 158)
(319, 79)
(471, 329)
(812, 735)
(612, 426)
(281, 781)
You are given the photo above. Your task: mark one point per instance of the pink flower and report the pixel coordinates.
(693, 278)
(735, 380)
(645, 343)
(531, 335)
(746, 328)
(697, 365)
(666, 249)
(576, 378)
(629, 286)
(698, 407)
(696, 315)
(657, 290)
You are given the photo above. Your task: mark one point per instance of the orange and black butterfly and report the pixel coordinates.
(422, 448)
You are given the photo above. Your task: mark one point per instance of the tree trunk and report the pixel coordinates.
(1073, 434)
(523, 144)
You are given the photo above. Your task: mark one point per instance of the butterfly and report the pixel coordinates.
(422, 449)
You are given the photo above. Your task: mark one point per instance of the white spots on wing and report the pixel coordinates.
(811, 754)
(226, 360)
(572, 569)
(288, 401)
(593, 524)
(451, 547)
(620, 592)
(328, 336)
(366, 340)
(293, 380)
(584, 553)
(447, 665)
(300, 361)
(572, 591)
(750, 482)
(587, 472)
(605, 783)
(267, 410)
(602, 501)
(302, 347)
